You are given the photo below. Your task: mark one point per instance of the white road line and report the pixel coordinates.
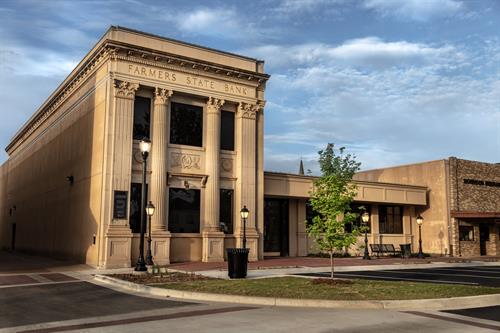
(415, 280)
(462, 275)
(38, 284)
(467, 270)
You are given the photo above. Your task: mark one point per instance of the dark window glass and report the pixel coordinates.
(186, 124)
(227, 130)
(465, 233)
(184, 210)
(135, 207)
(142, 117)
(390, 219)
(359, 209)
(310, 213)
(226, 211)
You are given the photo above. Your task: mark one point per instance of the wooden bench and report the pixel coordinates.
(384, 249)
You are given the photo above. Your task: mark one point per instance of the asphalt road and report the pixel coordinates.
(489, 313)
(68, 301)
(85, 307)
(480, 275)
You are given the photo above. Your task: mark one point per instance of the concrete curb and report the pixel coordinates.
(416, 304)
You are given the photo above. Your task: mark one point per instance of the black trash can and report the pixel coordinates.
(405, 250)
(237, 260)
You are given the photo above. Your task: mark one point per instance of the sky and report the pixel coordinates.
(393, 81)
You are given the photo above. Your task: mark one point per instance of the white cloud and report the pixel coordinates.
(392, 115)
(370, 51)
(214, 22)
(299, 6)
(418, 10)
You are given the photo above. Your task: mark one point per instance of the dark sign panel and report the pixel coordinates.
(120, 205)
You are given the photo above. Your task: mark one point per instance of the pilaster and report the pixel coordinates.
(247, 175)
(213, 238)
(160, 126)
(118, 236)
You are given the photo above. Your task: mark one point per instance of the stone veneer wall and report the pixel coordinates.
(471, 197)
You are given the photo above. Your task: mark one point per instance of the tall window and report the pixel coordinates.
(135, 207)
(390, 219)
(184, 210)
(226, 211)
(227, 130)
(465, 233)
(142, 117)
(186, 124)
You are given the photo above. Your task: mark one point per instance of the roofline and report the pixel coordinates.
(283, 174)
(117, 27)
(403, 165)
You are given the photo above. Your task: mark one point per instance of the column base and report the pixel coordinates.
(252, 244)
(213, 246)
(160, 246)
(118, 246)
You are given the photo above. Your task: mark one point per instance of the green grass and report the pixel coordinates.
(296, 287)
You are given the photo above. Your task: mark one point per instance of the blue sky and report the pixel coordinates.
(394, 81)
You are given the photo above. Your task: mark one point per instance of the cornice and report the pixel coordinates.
(170, 61)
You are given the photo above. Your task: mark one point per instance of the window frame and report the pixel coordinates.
(172, 132)
(197, 225)
(387, 223)
(231, 147)
(136, 136)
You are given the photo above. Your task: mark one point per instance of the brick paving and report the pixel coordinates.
(295, 262)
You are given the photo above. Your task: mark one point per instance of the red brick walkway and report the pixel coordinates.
(293, 262)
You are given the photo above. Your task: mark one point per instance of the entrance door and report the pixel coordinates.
(276, 226)
(484, 236)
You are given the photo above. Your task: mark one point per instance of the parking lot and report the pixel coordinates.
(470, 275)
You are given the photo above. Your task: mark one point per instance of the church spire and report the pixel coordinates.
(301, 168)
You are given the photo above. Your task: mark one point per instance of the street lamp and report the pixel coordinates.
(365, 217)
(420, 220)
(244, 215)
(150, 210)
(145, 148)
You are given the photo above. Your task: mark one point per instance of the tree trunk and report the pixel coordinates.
(331, 265)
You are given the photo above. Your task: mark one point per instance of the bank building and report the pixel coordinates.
(72, 184)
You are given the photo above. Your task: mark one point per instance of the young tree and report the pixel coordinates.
(330, 199)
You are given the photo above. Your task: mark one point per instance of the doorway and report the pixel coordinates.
(276, 227)
(484, 236)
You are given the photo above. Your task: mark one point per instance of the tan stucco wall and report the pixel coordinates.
(436, 213)
(54, 217)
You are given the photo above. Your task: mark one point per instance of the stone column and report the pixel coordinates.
(118, 237)
(213, 238)
(160, 128)
(247, 176)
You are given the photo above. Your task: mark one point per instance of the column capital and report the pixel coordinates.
(125, 89)
(249, 111)
(214, 104)
(162, 95)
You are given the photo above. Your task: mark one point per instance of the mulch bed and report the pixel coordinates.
(159, 278)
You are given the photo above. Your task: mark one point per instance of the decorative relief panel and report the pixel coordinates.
(227, 164)
(185, 161)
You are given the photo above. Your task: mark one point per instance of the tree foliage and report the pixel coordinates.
(331, 201)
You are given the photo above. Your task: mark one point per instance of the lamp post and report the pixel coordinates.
(420, 220)
(365, 217)
(145, 148)
(150, 210)
(244, 215)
